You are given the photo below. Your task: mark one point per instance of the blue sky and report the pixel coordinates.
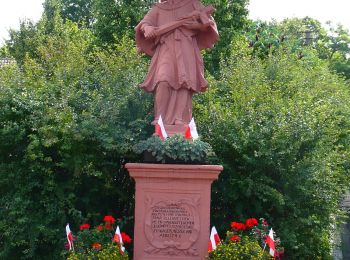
(337, 11)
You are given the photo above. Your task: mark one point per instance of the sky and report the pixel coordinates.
(12, 11)
(337, 11)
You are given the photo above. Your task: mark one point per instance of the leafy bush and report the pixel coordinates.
(176, 149)
(243, 249)
(68, 121)
(110, 252)
(280, 128)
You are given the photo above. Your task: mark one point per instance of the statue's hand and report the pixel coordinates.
(194, 25)
(149, 32)
(195, 14)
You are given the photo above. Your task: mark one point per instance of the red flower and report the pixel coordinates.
(238, 226)
(265, 222)
(109, 219)
(251, 222)
(100, 227)
(84, 226)
(279, 254)
(235, 238)
(108, 226)
(96, 246)
(126, 239)
(66, 245)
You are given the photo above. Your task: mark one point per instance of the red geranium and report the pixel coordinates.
(100, 227)
(235, 238)
(280, 254)
(108, 226)
(251, 222)
(126, 238)
(84, 226)
(238, 226)
(66, 245)
(96, 246)
(109, 219)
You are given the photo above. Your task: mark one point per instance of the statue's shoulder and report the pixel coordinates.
(154, 6)
(161, 5)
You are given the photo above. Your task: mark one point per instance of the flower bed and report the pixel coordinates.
(99, 243)
(246, 241)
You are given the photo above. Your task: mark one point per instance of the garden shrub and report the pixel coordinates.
(280, 128)
(110, 252)
(245, 250)
(68, 121)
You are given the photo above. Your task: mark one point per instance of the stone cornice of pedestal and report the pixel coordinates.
(175, 171)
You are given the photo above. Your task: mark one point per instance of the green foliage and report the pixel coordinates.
(231, 19)
(108, 19)
(79, 11)
(280, 127)
(110, 252)
(69, 119)
(177, 149)
(115, 19)
(244, 249)
(299, 35)
(23, 42)
(339, 50)
(263, 38)
(4, 52)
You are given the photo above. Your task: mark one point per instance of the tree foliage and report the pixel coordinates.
(280, 127)
(108, 19)
(68, 119)
(339, 50)
(78, 11)
(231, 19)
(332, 43)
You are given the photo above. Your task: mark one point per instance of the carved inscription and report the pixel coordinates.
(172, 227)
(171, 221)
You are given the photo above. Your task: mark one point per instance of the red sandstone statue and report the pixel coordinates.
(173, 32)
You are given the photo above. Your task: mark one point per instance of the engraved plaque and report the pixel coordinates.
(172, 227)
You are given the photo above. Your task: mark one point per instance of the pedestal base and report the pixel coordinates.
(172, 210)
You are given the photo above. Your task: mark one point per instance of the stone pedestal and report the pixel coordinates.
(172, 210)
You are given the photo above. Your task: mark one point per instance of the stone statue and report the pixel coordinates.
(173, 32)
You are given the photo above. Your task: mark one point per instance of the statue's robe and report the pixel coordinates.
(176, 57)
